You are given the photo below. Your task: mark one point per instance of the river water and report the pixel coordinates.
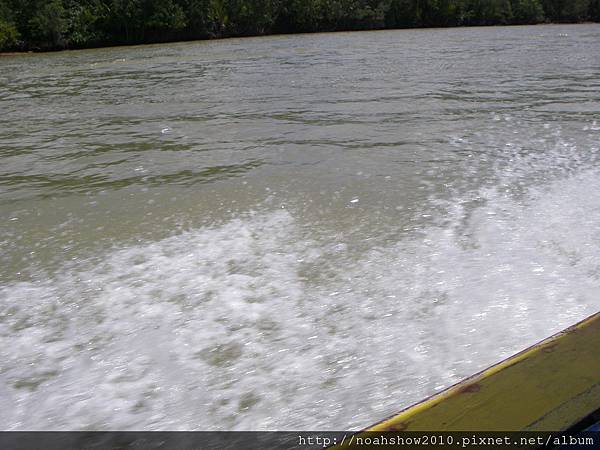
(290, 232)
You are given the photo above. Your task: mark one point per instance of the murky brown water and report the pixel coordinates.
(289, 232)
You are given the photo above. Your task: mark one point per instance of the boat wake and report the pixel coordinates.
(257, 323)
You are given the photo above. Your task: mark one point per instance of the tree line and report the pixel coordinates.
(60, 24)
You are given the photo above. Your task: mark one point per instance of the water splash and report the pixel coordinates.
(253, 324)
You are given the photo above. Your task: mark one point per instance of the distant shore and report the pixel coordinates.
(19, 53)
(40, 52)
(43, 25)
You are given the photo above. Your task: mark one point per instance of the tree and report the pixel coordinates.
(163, 16)
(594, 11)
(403, 14)
(250, 16)
(527, 11)
(487, 12)
(575, 10)
(47, 25)
(198, 22)
(9, 36)
(84, 19)
(123, 20)
(299, 16)
(566, 10)
(54, 24)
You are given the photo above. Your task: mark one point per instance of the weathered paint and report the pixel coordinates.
(548, 387)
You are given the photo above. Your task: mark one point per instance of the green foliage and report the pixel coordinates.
(247, 17)
(300, 16)
(569, 10)
(83, 23)
(403, 14)
(165, 15)
(54, 24)
(9, 36)
(487, 12)
(48, 24)
(527, 11)
(594, 12)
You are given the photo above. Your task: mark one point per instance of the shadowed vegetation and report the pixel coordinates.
(59, 24)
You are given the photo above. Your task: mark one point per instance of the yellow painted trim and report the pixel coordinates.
(548, 387)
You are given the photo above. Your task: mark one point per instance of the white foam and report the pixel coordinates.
(232, 328)
(255, 324)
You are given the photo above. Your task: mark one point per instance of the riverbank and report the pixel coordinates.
(38, 52)
(77, 24)
(17, 53)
